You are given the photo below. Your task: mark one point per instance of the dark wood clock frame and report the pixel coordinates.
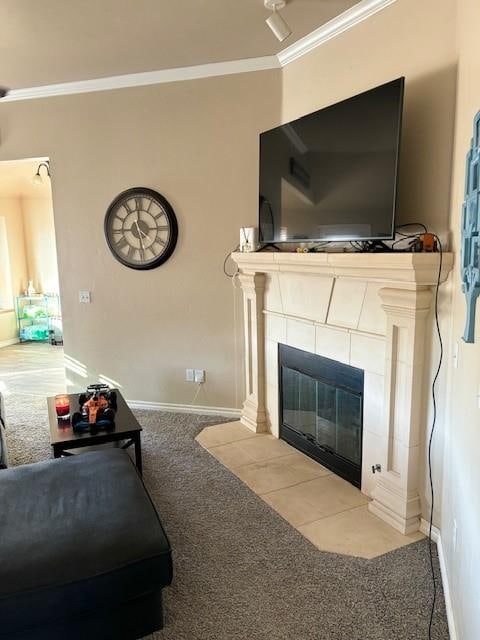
(143, 192)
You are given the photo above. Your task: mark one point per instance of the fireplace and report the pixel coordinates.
(369, 311)
(321, 410)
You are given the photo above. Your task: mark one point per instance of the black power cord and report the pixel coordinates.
(229, 275)
(412, 236)
(375, 246)
(430, 441)
(404, 236)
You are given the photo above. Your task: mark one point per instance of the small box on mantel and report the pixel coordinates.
(248, 239)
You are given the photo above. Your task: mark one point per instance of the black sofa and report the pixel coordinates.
(82, 551)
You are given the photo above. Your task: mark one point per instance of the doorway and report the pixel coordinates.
(31, 333)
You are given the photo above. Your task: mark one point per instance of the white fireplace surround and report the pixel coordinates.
(372, 311)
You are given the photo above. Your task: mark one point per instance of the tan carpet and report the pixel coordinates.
(240, 571)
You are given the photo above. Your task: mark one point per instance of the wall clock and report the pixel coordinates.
(141, 228)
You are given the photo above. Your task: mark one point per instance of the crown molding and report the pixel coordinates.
(346, 20)
(143, 79)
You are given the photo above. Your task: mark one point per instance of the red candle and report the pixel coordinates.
(62, 406)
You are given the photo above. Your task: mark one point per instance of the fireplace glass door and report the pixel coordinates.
(321, 408)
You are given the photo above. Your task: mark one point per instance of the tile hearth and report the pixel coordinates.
(327, 510)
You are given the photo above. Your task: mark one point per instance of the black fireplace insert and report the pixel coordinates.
(321, 410)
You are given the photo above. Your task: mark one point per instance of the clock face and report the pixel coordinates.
(141, 228)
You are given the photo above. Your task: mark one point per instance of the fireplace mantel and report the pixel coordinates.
(417, 269)
(372, 311)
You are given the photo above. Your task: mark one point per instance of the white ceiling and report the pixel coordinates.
(16, 180)
(55, 41)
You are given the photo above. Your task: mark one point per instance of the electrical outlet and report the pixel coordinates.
(85, 297)
(455, 535)
(199, 375)
(455, 355)
(189, 375)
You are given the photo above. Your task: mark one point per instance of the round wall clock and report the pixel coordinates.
(141, 228)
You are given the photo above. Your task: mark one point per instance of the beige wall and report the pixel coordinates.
(461, 503)
(40, 243)
(195, 142)
(11, 212)
(8, 327)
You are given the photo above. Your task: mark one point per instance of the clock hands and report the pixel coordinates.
(145, 235)
(140, 234)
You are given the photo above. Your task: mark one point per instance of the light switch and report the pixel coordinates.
(85, 297)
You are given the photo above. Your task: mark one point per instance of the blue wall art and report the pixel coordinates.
(470, 259)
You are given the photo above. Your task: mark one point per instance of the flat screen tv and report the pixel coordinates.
(332, 175)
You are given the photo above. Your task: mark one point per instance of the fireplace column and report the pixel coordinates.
(395, 496)
(253, 412)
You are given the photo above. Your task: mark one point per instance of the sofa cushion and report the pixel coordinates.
(76, 534)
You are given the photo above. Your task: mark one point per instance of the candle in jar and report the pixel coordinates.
(62, 406)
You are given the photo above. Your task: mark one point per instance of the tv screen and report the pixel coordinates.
(332, 175)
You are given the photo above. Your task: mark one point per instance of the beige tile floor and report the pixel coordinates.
(327, 510)
(32, 368)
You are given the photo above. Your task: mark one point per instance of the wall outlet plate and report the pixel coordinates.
(199, 375)
(85, 297)
(455, 355)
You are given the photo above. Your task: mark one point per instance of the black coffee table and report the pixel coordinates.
(63, 439)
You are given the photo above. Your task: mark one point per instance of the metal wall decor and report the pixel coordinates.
(470, 259)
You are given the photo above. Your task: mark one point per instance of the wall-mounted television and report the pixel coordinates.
(332, 175)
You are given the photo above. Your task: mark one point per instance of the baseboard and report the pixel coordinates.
(437, 538)
(8, 343)
(425, 528)
(226, 412)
